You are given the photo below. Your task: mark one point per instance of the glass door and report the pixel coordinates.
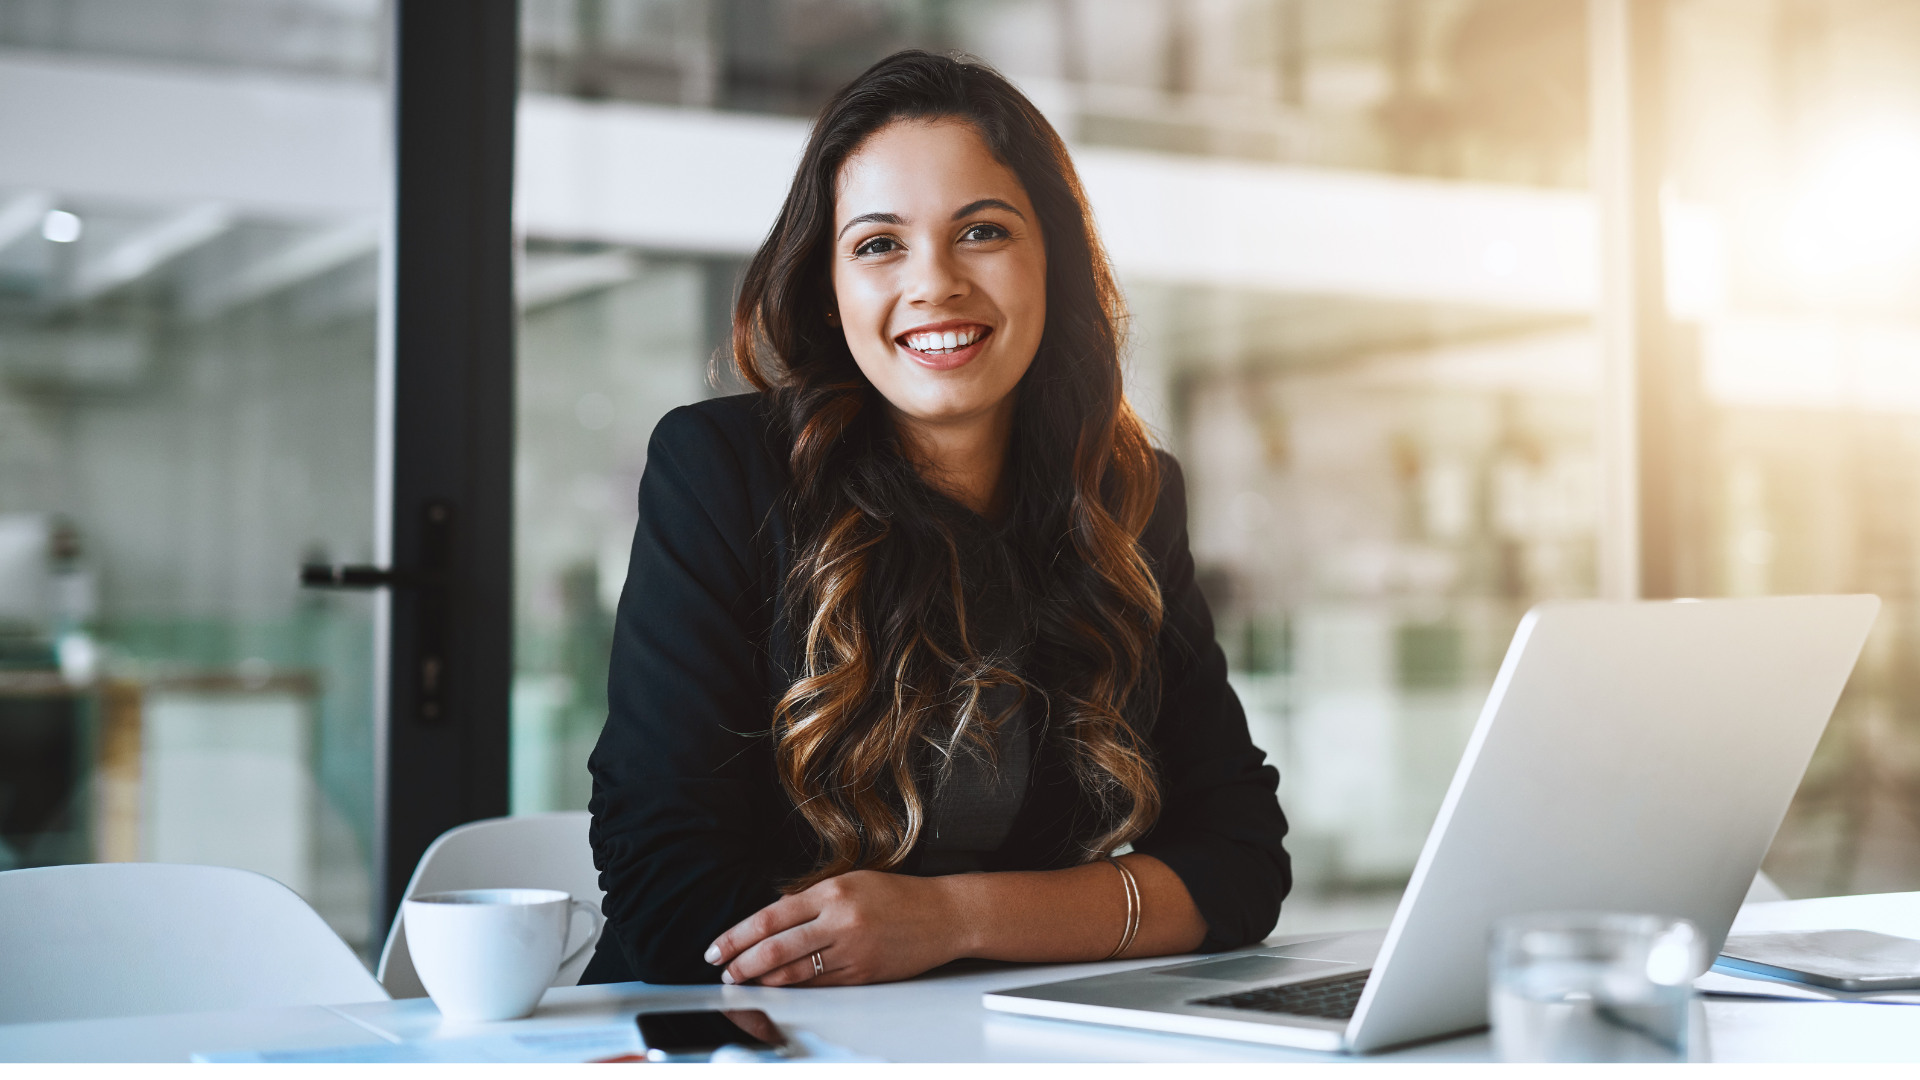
(190, 229)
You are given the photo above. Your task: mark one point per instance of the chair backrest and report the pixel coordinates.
(535, 851)
(134, 939)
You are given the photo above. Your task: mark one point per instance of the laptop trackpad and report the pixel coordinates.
(1258, 968)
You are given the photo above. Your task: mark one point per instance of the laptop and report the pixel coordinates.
(1631, 757)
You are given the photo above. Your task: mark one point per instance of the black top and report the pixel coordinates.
(691, 829)
(974, 798)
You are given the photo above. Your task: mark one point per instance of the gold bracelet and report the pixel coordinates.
(1132, 926)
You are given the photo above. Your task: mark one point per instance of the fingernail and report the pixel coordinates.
(713, 954)
(727, 977)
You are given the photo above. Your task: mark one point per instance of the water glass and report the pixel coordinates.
(1592, 986)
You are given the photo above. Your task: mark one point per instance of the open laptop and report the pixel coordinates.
(1631, 757)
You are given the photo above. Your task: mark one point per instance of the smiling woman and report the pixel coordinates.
(911, 644)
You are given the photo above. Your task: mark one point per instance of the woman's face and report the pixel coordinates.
(939, 271)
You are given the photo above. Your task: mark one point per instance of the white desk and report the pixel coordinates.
(939, 1017)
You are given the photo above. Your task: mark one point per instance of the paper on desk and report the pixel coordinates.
(564, 1045)
(546, 1046)
(1727, 981)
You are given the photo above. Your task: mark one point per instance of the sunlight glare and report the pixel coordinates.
(1857, 215)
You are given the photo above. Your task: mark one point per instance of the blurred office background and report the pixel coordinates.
(1358, 242)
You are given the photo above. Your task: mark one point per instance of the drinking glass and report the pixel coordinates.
(1592, 986)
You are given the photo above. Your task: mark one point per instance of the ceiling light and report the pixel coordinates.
(60, 227)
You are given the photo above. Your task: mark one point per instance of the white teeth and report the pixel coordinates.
(947, 341)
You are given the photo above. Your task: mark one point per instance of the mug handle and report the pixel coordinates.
(576, 907)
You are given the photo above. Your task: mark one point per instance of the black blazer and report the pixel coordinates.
(691, 830)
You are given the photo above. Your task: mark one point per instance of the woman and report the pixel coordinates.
(910, 643)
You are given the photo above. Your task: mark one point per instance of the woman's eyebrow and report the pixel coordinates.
(880, 216)
(978, 205)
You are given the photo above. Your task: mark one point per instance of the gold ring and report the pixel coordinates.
(819, 966)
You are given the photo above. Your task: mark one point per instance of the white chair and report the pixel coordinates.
(535, 851)
(140, 939)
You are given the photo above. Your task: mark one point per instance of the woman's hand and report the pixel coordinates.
(866, 925)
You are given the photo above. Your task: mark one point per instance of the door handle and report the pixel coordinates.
(430, 580)
(324, 576)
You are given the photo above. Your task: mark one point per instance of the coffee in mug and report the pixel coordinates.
(489, 954)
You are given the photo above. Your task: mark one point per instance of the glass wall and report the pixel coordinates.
(1798, 127)
(602, 358)
(189, 208)
(1356, 241)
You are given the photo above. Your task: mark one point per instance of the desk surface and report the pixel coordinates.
(939, 1017)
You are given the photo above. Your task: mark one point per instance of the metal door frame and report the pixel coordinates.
(446, 422)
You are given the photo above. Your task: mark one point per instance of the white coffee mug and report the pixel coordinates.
(488, 954)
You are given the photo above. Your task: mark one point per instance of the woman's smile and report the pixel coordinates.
(944, 346)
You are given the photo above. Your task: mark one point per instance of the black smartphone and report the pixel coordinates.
(681, 1036)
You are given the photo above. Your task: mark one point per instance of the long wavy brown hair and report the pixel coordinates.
(889, 677)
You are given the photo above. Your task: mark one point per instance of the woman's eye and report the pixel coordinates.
(879, 245)
(984, 231)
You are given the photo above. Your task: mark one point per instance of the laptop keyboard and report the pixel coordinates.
(1331, 998)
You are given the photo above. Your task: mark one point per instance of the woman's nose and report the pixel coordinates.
(934, 279)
